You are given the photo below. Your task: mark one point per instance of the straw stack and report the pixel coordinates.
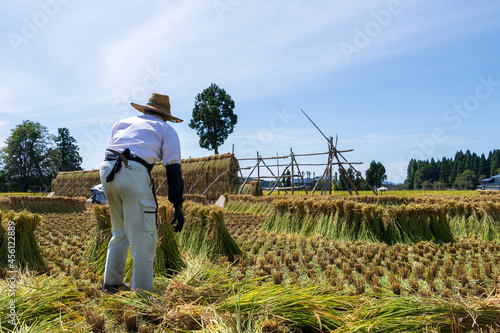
(209, 176)
(98, 244)
(205, 234)
(168, 259)
(26, 251)
(76, 183)
(200, 173)
(35, 204)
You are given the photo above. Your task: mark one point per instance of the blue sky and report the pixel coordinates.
(394, 80)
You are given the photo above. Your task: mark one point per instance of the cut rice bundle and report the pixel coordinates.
(19, 248)
(204, 233)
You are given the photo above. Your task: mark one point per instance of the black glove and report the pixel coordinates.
(179, 217)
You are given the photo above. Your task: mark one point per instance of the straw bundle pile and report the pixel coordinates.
(76, 183)
(26, 250)
(44, 204)
(198, 174)
(3, 231)
(204, 233)
(351, 221)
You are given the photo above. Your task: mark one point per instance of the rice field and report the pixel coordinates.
(390, 263)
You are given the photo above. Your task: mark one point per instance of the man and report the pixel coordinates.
(136, 144)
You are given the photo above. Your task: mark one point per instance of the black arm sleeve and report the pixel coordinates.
(175, 184)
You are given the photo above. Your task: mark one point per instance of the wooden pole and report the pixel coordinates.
(71, 187)
(216, 179)
(276, 177)
(293, 176)
(258, 169)
(275, 184)
(196, 182)
(246, 180)
(300, 174)
(74, 195)
(278, 165)
(358, 173)
(65, 184)
(324, 173)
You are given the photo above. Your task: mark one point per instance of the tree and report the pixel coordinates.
(213, 117)
(287, 181)
(29, 158)
(375, 174)
(466, 180)
(68, 151)
(3, 181)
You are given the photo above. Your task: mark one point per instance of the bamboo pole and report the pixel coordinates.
(222, 174)
(65, 184)
(300, 173)
(164, 180)
(287, 156)
(74, 195)
(196, 182)
(273, 176)
(293, 177)
(275, 184)
(246, 180)
(70, 187)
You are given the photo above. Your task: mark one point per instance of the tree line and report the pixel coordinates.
(32, 156)
(464, 171)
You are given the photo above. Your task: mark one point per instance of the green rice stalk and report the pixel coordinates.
(42, 303)
(389, 313)
(299, 307)
(27, 252)
(205, 233)
(168, 259)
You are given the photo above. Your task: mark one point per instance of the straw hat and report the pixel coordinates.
(158, 103)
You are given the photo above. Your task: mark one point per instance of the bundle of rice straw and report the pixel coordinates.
(47, 205)
(98, 245)
(167, 259)
(204, 233)
(26, 250)
(2, 229)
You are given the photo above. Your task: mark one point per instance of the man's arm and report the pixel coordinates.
(175, 194)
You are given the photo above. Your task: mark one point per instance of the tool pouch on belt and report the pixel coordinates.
(117, 166)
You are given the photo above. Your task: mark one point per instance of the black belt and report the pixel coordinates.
(126, 156)
(113, 157)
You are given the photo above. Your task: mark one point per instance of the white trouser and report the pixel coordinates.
(133, 215)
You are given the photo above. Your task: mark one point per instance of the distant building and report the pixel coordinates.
(491, 184)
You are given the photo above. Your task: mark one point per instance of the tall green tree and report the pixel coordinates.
(29, 157)
(375, 174)
(68, 151)
(466, 180)
(213, 117)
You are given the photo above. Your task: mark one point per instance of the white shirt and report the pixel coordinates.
(148, 137)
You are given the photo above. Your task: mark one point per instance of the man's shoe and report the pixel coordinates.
(113, 288)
